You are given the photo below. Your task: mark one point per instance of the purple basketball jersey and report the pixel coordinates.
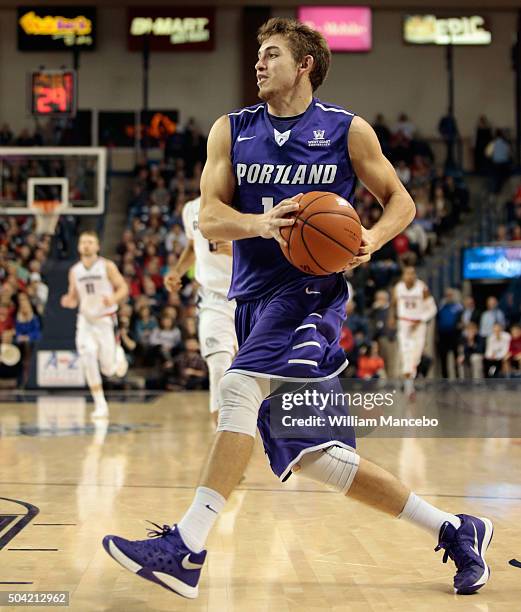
(270, 166)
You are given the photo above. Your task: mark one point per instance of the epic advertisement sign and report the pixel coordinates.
(491, 263)
(56, 28)
(346, 28)
(171, 29)
(432, 30)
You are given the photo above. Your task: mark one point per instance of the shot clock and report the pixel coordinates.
(52, 93)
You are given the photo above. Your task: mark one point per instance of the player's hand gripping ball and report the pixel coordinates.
(326, 235)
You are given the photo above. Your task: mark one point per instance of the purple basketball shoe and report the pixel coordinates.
(166, 561)
(467, 546)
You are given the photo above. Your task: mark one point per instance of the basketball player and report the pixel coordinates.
(288, 323)
(412, 306)
(213, 271)
(97, 287)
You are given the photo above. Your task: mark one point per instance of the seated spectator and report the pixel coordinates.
(370, 364)
(175, 237)
(470, 352)
(154, 294)
(27, 331)
(501, 233)
(132, 279)
(6, 319)
(512, 361)
(401, 244)
(417, 239)
(497, 348)
(404, 172)
(153, 270)
(470, 312)
(405, 127)
(190, 326)
(192, 372)
(166, 339)
(145, 325)
(27, 324)
(490, 317)
(160, 196)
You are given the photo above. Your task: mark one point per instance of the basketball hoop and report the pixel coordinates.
(47, 213)
(45, 203)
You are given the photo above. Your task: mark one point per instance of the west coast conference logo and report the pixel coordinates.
(12, 521)
(319, 139)
(181, 30)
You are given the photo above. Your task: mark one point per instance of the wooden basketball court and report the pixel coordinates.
(293, 547)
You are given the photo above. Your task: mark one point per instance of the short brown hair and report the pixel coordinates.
(303, 41)
(89, 233)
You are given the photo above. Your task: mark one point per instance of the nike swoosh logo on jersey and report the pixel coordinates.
(210, 508)
(309, 291)
(241, 138)
(188, 565)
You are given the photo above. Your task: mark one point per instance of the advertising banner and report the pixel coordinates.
(56, 28)
(171, 28)
(346, 28)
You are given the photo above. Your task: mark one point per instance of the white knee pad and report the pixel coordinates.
(89, 362)
(240, 397)
(218, 363)
(334, 466)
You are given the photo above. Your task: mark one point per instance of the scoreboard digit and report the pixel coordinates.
(52, 93)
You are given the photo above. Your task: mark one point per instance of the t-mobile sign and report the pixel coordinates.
(346, 28)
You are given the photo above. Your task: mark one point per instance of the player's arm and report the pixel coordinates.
(391, 321)
(378, 175)
(118, 284)
(217, 219)
(70, 299)
(429, 305)
(184, 263)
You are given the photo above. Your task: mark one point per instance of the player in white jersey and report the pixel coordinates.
(96, 287)
(213, 270)
(412, 307)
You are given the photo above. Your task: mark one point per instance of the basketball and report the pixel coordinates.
(326, 235)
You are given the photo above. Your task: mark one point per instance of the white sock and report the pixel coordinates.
(423, 515)
(99, 398)
(195, 525)
(408, 386)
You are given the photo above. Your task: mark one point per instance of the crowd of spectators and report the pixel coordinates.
(52, 132)
(484, 344)
(159, 329)
(440, 198)
(23, 293)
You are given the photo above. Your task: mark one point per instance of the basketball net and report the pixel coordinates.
(47, 213)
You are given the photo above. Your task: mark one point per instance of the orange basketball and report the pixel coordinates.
(326, 235)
